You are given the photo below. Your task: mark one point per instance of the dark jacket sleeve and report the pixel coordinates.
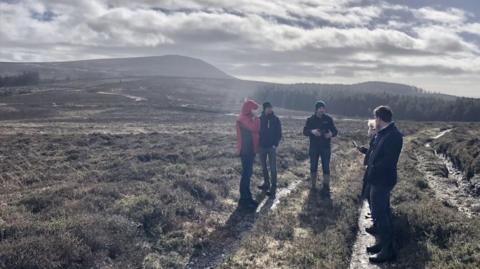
(333, 129)
(393, 147)
(278, 132)
(307, 130)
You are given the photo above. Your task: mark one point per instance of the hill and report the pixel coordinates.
(174, 80)
(157, 66)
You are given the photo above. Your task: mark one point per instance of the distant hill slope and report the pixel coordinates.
(177, 66)
(163, 66)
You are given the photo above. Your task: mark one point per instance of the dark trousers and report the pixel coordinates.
(247, 170)
(366, 189)
(381, 212)
(323, 153)
(271, 155)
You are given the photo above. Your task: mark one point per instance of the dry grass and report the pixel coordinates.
(75, 197)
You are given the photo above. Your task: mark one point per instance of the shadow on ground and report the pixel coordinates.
(411, 251)
(318, 211)
(225, 240)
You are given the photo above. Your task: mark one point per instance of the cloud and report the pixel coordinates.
(310, 40)
(448, 16)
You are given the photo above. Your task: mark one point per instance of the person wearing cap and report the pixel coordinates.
(248, 128)
(270, 136)
(320, 129)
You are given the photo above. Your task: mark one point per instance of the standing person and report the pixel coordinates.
(270, 136)
(382, 177)
(248, 127)
(320, 128)
(366, 151)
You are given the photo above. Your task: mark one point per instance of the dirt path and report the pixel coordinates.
(451, 189)
(448, 183)
(359, 255)
(271, 204)
(134, 98)
(228, 237)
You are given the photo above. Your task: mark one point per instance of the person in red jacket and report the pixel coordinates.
(248, 139)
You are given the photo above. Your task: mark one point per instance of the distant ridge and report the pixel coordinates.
(179, 66)
(163, 66)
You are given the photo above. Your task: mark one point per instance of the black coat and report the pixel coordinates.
(367, 151)
(383, 159)
(270, 130)
(324, 124)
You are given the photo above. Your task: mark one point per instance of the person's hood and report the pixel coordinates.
(248, 106)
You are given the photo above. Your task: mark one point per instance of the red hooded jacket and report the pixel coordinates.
(249, 121)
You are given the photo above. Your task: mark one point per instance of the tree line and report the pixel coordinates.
(25, 78)
(419, 106)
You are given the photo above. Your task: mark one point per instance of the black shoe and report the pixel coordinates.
(253, 203)
(385, 255)
(248, 205)
(271, 194)
(371, 230)
(374, 249)
(263, 187)
(325, 192)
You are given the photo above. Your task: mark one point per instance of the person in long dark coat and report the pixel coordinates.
(382, 178)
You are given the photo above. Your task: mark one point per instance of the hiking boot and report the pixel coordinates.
(375, 248)
(252, 203)
(264, 187)
(248, 204)
(271, 194)
(326, 180)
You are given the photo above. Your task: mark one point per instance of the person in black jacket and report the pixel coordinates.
(382, 177)
(366, 151)
(320, 128)
(270, 136)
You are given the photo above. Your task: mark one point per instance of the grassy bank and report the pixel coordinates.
(162, 194)
(462, 147)
(430, 234)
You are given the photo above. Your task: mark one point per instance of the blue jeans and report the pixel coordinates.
(381, 212)
(247, 170)
(271, 154)
(323, 153)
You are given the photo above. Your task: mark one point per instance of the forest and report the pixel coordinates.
(415, 105)
(25, 78)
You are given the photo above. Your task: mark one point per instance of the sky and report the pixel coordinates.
(434, 45)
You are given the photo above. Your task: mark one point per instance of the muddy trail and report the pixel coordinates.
(228, 237)
(449, 183)
(306, 214)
